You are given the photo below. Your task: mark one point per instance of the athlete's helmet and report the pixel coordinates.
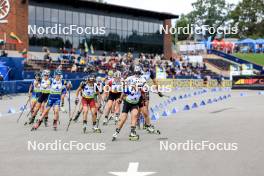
(57, 72)
(37, 75)
(117, 74)
(90, 78)
(45, 73)
(137, 70)
(110, 73)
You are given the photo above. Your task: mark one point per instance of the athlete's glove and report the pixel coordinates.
(160, 94)
(76, 101)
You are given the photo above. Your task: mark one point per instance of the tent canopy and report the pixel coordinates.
(260, 41)
(247, 41)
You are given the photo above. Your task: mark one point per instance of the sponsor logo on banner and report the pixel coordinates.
(4, 10)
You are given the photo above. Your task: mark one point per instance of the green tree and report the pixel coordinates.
(248, 16)
(183, 22)
(213, 13)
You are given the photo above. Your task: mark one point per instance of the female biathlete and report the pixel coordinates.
(45, 90)
(131, 99)
(116, 87)
(54, 100)
(89, 93)
(34, 92)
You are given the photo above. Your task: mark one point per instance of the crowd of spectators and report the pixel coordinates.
(82, 62)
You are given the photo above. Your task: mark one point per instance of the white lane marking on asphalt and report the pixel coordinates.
(132, 171)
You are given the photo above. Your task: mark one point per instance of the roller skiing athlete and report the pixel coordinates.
(116, 87)
(54, 100)
(100, 83)
(131, 99)
(34, 92)
(146, 76)
(89, 93)
(42, 99)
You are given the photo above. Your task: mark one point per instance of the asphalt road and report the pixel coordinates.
(236, 121)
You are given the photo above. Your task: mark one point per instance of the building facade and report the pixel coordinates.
(82, 24)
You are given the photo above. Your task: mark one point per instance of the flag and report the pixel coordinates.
(15, 37)
(86, 49)
(92, 49)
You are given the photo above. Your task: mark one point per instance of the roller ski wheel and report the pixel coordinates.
(84, 130)
(97, 130)
(134, 138)
(31, 121)
(105, 122)
(114, 137)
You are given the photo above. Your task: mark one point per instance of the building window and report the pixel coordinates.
(88, 20)
(101, 21)
(124, 24)
(119, 23)
(68, 17)
(82, 19)
(62, 16)
(95, 20)
(113, 23)
(32, 13)
(54, 15)
(39, 13)
(75, 18)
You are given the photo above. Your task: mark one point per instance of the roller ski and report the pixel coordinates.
(96, 129)
(30, 121)
(133, 136)
(115, 135)
(36, 126)
(151, 130)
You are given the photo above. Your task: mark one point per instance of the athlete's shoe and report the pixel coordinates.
(36, 126)
(96, 129)
(31, 120)
(105, 122)
(133, 136)
(150, 129)
(84, 128)
(55, 125)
